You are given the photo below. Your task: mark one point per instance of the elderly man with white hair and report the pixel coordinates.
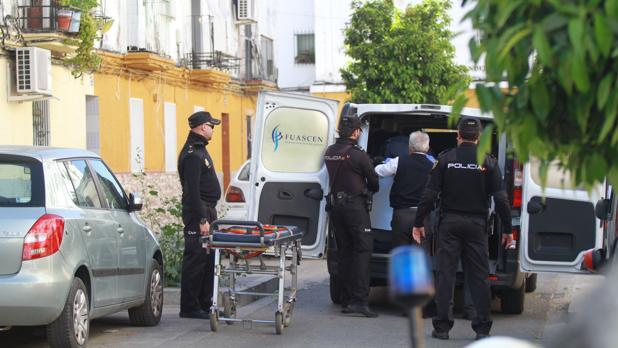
(411, 174)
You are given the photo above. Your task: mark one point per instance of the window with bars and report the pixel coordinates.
(305, 49)
(40, 123)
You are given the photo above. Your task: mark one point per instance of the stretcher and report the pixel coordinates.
(245, 242)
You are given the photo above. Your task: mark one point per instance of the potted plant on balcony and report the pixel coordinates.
(85, 59)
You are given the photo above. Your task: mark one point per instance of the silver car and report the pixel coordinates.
(71, 245)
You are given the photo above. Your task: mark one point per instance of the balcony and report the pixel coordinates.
(48, 26)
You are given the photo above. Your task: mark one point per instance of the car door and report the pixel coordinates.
(288, 175)
(131, 236)
(557, 224)
(99, 237)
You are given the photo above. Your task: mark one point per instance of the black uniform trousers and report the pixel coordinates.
(463, 237)
(401, 225)
(354, 247)
(196, 282)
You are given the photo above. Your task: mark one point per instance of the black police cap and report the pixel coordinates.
(201, 117)
(469, 125)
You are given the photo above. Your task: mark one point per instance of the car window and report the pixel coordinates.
(80, 184)
(112, 191)
(243, 175)
(21, 182)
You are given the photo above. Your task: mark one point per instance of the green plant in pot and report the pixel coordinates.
(85, 59)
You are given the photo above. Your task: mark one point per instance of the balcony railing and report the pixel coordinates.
(35, 18)
(213, 60)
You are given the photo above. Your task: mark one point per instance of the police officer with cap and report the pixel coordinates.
(465, 188)
(352, 178)
(200, 193)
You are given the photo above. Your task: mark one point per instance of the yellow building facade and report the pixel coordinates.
(67, 109)
(158, 84)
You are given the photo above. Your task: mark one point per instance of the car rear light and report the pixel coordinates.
(44, 237)
(517, 197)
(234, 195)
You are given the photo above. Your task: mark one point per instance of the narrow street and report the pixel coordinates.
(318, 323)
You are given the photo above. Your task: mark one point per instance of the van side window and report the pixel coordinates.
(111, 189)
(244, 172)
(80, 184)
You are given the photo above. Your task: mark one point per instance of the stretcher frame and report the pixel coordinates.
(286, 296)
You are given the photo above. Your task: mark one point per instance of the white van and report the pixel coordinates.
(288, 179)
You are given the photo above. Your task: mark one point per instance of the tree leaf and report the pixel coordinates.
(553, 22)
(610, 117)
(576, 35)
(579, 73)
(596, 167)
(505, 11)
(611, 8)
(603, 92)
(541, 44)
(484, 146)
(513, 41)
(540, 100)
(603, 34)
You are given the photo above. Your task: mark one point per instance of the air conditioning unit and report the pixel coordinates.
(33, 71)
(244, 10)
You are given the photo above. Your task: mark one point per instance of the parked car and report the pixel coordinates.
(72, 248)
(237, 194)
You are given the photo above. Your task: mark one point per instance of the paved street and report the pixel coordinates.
(318, 323)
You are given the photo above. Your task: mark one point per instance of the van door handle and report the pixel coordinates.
(285, 195)
(87, 228)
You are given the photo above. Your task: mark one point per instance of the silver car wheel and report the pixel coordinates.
(156, 292)
(80, 317)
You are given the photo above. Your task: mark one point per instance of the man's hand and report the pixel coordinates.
(507, 241)
(204, 228)
(418, 233)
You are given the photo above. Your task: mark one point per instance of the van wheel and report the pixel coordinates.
(335, 289)
(149, 313)
(531, 282)
(512, 300)
(71, 328)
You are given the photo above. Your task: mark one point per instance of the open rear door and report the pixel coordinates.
(288, 175)
(557, 229)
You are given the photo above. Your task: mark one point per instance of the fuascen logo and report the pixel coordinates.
(278, 137)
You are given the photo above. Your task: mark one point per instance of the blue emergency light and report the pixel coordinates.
(411, 282)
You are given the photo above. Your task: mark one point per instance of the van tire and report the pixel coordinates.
(62, 332)
(512, 300)
(335, 289)
(531, 282)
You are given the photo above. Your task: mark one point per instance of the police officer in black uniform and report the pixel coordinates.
(352, 181)
(200, 193)
(465, 188)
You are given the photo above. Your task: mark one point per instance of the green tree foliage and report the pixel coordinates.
(401, 57)
(559, 59)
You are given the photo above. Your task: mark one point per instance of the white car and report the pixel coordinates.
(238, 194)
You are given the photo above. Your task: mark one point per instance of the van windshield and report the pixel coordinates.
(21, 182)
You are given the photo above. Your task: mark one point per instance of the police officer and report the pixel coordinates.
(465, 188)
(351, 176)
(200, 193)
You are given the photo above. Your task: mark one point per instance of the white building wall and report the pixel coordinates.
(330, 21)
(293, 17)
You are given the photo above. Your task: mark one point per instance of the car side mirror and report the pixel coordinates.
(601, 209)
(135, 202)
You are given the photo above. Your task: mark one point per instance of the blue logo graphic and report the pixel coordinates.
(276, 136)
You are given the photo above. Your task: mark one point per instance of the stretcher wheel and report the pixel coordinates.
(214, 320)
(229, 308)
(278, 323)
(287, 318)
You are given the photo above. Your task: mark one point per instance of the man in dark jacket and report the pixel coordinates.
(411, 174)
(352, 180)
(200, 193)
(465, 188)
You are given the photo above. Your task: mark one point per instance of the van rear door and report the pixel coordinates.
(559, 224)
(288, 175)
